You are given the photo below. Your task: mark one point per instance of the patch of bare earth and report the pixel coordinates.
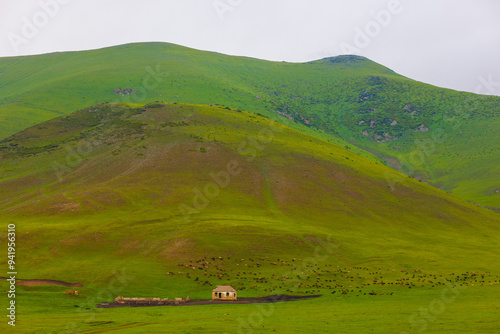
(244, 300)
(36, 282)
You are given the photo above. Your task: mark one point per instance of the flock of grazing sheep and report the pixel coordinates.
(265, 276)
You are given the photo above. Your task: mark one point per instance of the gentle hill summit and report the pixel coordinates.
(140, 188)
(344, 59)
(447, 138)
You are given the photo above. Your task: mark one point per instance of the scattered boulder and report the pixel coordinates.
(366, 96)
(126, 91)
(422, 128)
(411, 110)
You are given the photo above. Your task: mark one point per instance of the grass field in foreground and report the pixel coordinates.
(419, 310)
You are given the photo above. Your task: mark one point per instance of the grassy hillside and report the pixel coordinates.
(169, 200)
(441, 136)
(109, 197)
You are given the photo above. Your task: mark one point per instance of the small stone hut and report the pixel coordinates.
(224, 292)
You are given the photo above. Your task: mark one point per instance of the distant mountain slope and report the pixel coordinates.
(141, 187)
(447, 138)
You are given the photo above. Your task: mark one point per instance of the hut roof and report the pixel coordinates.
(224, 288)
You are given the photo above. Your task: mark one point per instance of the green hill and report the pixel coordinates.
(447, 138)
(169, 200)
(172, 199)
(210, 175)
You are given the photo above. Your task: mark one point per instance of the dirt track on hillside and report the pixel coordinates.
(36, 282)
(248, 300)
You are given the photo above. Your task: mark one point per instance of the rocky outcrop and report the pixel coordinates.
(126, 91)
(366, 96)
(421, 128)
(411, 110)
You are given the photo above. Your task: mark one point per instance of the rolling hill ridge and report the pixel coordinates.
(443, 137)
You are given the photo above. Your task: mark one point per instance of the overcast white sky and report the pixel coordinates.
(448, 43)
